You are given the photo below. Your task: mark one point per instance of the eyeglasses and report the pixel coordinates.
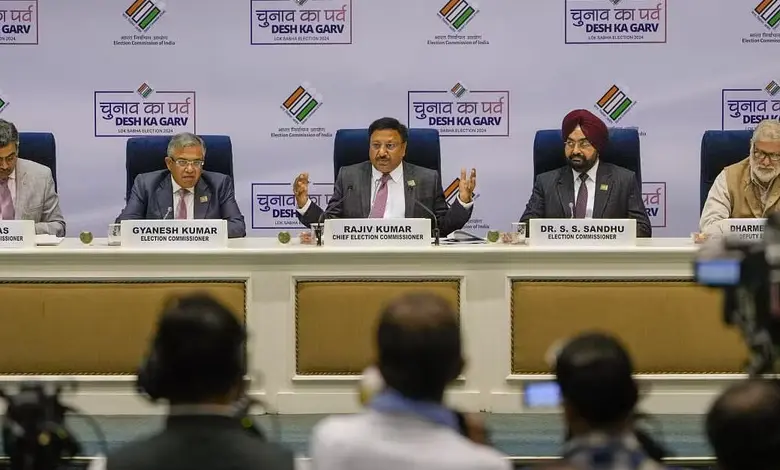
(584, 144)
(9, 159)
(182, 163)
(760, 155)
(390, 146)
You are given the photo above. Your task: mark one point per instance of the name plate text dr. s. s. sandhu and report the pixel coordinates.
(174, 234)
(17, 234)
(744, 229)
(582, 232)
(377, 232)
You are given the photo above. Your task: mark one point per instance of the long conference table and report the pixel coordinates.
(86, 312)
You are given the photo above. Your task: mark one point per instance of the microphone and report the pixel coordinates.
(410, 185)
(571, 210)
(167, 213)
(329, 210)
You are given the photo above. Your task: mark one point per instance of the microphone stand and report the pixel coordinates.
(436, 233)
(328, 210)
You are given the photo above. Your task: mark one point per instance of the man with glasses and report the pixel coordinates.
(184, 190)
(27, 188)
(587, 188)
(387, 187)
(747, 189)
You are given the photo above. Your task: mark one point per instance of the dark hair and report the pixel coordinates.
(594, 372)
(8, 133)
(419, 346)
(388, 123)
(743, 426)
(199, 349)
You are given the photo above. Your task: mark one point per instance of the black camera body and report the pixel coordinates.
(748, 272)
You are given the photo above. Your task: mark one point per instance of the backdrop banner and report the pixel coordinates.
(280, 77)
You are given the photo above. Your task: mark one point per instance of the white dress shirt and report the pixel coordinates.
(190, 201)
(590, 184)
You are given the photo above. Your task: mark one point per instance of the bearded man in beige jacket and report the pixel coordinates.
(747, 189)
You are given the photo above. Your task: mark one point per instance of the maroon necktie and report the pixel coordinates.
(380, 202)
(181, 210)
(6, 203)
(581, 207)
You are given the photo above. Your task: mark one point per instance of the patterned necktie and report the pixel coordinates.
(380, 202)
(581, 207)
(181, 209)
(6, 203)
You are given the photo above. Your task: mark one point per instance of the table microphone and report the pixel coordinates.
(410, 186)
(167, 213)
(329, 210)
(571, 210)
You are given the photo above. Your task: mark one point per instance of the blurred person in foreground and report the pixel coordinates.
(197, 364)
(185, 191)
(587, 188)
(600, 395)
(27, 188)
(743, 426)
(406, 425)
(747, 189)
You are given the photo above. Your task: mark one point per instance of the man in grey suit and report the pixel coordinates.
(603, 190)
(387, 187)
(184, 190)
(27, 188)
(406, 424)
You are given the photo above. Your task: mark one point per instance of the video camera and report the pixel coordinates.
(749, 274)
(35, 436)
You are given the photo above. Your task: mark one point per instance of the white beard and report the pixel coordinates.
(764, 175)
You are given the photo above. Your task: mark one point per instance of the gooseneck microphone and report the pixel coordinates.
(410, 186)
(329, 210)
(571, 210)
(167, 213)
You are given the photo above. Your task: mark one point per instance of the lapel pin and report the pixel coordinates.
(410, 183)
(603, 187)
(204, 199)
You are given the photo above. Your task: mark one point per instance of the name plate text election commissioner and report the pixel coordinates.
(174, 234)
(377, 232)
(17, 234)
(582, 232)
(744, 229)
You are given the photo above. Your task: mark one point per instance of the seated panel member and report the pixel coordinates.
(27, 188)
(554, 192)
(184, 190)
(750, 188)
(386, 186)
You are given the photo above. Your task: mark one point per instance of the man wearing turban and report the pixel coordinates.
(587, 188)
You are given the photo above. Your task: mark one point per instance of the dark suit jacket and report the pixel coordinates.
(152, 196)
(554, 190)
(201, 442)
(357, 203)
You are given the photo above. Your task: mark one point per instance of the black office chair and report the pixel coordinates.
(720, 149)
(40, 147)
(351, 147)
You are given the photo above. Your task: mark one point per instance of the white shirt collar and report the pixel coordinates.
(591, 173)
(12, 176)
(176, 186)
(396, 175)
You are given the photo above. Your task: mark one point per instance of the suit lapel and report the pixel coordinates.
(20, 200)
(365, 182)
(603, 190)
(566, 190)
(203, 198)
(164, 197)
(410, 190)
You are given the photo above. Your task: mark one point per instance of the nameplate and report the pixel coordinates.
(174, 234)
(17, 234)
(744, 229)
(582, 232)
(377, 232)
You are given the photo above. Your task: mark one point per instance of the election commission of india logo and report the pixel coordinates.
(615, 104)
(274, 207)
(615, 22)
(767, 13)
(300, 105)
(460, 111)
(744, 108)
(457, 15)
(144, 16)
(18, 22)
(144, 111)
(293, 22)
(3, 101)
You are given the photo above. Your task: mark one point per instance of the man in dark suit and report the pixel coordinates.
(603, 190)
(184, 190)
(197, 363)
(387, 187)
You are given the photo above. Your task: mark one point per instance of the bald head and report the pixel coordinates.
(418, 341)
(743, 426)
